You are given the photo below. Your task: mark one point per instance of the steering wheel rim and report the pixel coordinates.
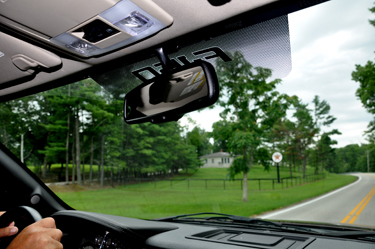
(22, 216)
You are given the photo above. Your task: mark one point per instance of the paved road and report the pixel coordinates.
(353, 204)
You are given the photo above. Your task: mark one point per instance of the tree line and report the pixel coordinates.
(82, 125)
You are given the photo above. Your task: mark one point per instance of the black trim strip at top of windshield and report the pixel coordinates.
(261, 14)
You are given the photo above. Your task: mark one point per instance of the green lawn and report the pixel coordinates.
(55, 168)
(217, 178)
(149, 201)
(255, 172)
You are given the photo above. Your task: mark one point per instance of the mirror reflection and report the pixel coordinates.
(167, 93)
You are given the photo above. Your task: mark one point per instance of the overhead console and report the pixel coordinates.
(85, 28)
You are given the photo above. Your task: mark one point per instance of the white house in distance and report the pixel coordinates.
(217, 160)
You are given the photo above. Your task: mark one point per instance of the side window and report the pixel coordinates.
(213, 160)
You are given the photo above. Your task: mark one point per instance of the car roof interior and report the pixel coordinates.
(31, 62)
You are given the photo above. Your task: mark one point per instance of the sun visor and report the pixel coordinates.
(19, 59)
(265, 44)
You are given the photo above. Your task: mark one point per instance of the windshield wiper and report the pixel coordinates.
(218, 217)
(227, 218)
(240, 220)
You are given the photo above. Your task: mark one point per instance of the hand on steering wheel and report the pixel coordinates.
(9, 230)
(42, 233)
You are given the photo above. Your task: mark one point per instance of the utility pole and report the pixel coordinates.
(22, 147)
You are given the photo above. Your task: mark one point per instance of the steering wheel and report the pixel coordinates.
(22, 216)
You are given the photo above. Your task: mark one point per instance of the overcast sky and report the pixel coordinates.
(326, 42)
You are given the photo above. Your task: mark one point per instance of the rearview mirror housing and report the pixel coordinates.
(172, 94)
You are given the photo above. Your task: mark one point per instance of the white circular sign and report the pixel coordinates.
(277, 157)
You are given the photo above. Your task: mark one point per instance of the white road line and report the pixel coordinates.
(266, 216)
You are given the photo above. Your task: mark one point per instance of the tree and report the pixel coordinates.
(251, 107)
(284, 131)
(372, 22)
(221, 133)
(365, 76)
(305, 131)
(327, 153)
(348, 158)
(323, 141)
(199, 138)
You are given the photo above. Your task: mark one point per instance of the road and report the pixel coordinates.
(353, 204)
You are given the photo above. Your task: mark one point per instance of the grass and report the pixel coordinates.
(55, 168)
(216, 178)
(255, 172)
(145, 201)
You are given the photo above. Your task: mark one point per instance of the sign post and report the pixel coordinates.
(277, 157)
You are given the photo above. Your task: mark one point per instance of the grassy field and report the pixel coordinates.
(55, 168)
(208, 178)
(149, 201)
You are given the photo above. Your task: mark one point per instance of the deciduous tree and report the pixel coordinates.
(251, 107)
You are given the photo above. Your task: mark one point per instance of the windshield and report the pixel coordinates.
(293, 122)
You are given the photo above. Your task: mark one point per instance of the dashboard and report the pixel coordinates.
(86, 230)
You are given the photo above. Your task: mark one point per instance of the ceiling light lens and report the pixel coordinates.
(81, 47)
(134, 23)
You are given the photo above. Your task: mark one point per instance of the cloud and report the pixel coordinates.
(327, 41)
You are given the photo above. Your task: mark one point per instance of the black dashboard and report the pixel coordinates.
(86, 230)
(91, 230)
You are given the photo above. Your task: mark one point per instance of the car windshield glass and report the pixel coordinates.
(294, 121)
(265, 44)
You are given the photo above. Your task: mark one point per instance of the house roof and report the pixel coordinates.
(217, 154)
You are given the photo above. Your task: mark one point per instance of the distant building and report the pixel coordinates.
(217, 160)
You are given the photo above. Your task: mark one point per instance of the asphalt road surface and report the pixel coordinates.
(353, 204)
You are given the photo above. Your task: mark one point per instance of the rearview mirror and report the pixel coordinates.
(172, 94)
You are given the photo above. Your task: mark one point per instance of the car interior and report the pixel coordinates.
(46, 44)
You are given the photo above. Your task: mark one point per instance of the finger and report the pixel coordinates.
(8, 231)
(46, 242)
(55, 245)
(1, 213)
(46, 223)
(55, 234)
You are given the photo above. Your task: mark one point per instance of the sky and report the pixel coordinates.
(327, 41)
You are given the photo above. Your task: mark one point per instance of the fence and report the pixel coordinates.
(225, 184)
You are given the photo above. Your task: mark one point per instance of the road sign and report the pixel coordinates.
(277, 157)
